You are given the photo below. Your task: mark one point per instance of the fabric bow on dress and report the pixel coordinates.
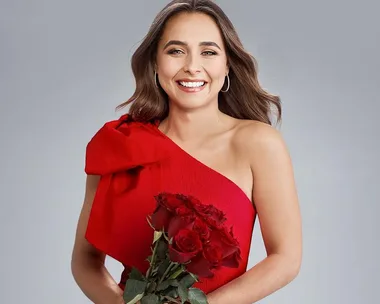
(126, 155)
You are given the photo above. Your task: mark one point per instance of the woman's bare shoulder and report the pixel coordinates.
(251, 133)
(255, 141)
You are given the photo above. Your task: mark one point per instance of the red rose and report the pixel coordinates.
(197, 233)
(186, 245)
(222, 249)
(167, 204)
(232, 260)
(192, 202)
(213, 254)
(169, 201)
(202, 229)
(183, 210)
(225, 240)
(228, 239)
(200, 266)
(178, 223)
(230, 246)
(160, 218)
(227, 236)
(211, 215)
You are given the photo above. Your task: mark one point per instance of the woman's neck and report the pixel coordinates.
(195, 126)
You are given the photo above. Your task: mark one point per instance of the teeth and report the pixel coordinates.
(192, 84)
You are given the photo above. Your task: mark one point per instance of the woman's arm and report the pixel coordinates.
(87, 263)
(275, 197)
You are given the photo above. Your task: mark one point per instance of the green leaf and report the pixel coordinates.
(157, 236)
(150, 299)
(165, 284)
(162, 249)
(172, 292)
(163, 266)
(135, 274)
(183, 293)
(134, 289)
(151, 287)
(135, 299)
(187, 281)
(197, 296)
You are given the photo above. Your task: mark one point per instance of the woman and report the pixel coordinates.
(199, 124)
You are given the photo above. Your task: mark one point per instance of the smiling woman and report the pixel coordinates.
(198, 126)
(194, 64)
(197, 34)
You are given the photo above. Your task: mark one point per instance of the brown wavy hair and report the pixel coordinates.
(245, 99)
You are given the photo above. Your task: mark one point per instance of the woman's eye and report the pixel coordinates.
(209, 53)
(175, 52)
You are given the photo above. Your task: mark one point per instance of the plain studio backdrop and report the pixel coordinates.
(65, 65)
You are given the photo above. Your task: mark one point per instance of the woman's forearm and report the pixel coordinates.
(96, 282)
(271, 274)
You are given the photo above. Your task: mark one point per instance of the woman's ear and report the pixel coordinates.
(227, 68)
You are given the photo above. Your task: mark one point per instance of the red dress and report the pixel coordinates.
(136, 161)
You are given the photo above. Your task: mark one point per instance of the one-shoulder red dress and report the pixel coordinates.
(136, 161)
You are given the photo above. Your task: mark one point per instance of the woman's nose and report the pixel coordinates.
(192, 64)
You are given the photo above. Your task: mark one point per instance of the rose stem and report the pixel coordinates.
(166, 271)
(152, 263)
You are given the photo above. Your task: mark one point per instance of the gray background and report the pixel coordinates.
(65, 65)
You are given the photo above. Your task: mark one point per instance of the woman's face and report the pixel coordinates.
(191, 60)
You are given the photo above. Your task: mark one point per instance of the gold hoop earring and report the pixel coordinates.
(228, 84)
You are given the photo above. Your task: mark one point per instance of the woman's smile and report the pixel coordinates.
(191, 86)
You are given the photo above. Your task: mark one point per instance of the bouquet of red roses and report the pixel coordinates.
(190, 241)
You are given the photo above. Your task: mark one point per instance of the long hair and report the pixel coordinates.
(245, 99)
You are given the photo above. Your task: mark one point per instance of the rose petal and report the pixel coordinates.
(202, 229)
(180, 257)
(169, 200)
(187, 240)
(213, 254)
(233, 260)
(200, 267)
(217, 239)
(183, 210)
(180, 222)
(161, 218)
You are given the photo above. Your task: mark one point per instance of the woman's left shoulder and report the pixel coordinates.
(263, 147)
(251, 134)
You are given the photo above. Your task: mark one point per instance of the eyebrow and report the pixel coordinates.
(203, 43)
